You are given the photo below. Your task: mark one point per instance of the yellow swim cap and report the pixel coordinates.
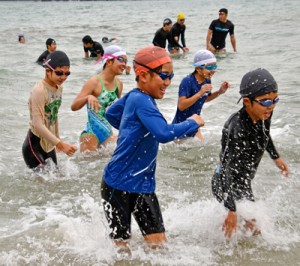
(180, 16)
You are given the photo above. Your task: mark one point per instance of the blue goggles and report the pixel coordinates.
(162, 75)
(121, 59)
(209, 67)
(267, 102)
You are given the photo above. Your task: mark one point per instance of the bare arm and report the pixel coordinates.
(233, 42)
(88, 95)
(120, 87)
(208, 38)
(184, 102)
(223, 88)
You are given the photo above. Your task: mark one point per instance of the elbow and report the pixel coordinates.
(75, 107)
(164, 138)
(181, 107)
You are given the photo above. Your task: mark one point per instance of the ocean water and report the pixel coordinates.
(57, 218)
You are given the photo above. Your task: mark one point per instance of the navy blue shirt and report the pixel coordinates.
(188, 87)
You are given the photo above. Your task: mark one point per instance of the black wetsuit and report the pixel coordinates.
(176, 31)
(33, 153)
(95, 50)
(219, 33)
(243, 145)
(160, 38)
(42, 57)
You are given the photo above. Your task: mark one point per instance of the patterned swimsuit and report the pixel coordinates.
(97, 124)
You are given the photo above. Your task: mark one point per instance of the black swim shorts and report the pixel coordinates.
(33, 153)
(119, 205)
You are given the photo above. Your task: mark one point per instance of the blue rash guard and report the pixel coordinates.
(141, 129)
(189, 86)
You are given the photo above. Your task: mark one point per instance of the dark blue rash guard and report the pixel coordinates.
(188, 87)
(141, 128)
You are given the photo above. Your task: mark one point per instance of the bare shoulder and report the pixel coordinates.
(93, 85)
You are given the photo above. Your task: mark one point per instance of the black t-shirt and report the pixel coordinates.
(95, 50)
(219, 32)
(42, 57)
(160, 38)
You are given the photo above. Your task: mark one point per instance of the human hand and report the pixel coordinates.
(93, 103)
(206, 88)
(185, 49)
(127, 70)
(224, 86)
(281, 164)
(198, 119)
(68, 149)
(230, 224)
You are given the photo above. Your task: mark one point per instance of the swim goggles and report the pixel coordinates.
(162, 75)
(209, 67)
(121, 59)
(267, 102)
(57, 72)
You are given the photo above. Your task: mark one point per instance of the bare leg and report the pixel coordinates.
(112, 138)
(88, 142)
(221, 51)
(123, 247)
(199, 135)
(156, 240)
(174, 51)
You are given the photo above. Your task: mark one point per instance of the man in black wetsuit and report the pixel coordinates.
(245, 137)
(95, 48)
(217, 32)
(175, 33)
(51, 47)
(160, 37)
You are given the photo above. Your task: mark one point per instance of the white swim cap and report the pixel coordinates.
(203, 57)
(110, 52)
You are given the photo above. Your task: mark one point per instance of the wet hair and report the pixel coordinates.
(87, 39)
(105, 40)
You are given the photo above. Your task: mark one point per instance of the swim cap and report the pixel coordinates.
(180, 16)
(57, 59)
(150, 56)
(203, 57)
(113, 50)
(257, 82)
(49, 41)
(167, 21)
(224, 10)
(110, 52)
